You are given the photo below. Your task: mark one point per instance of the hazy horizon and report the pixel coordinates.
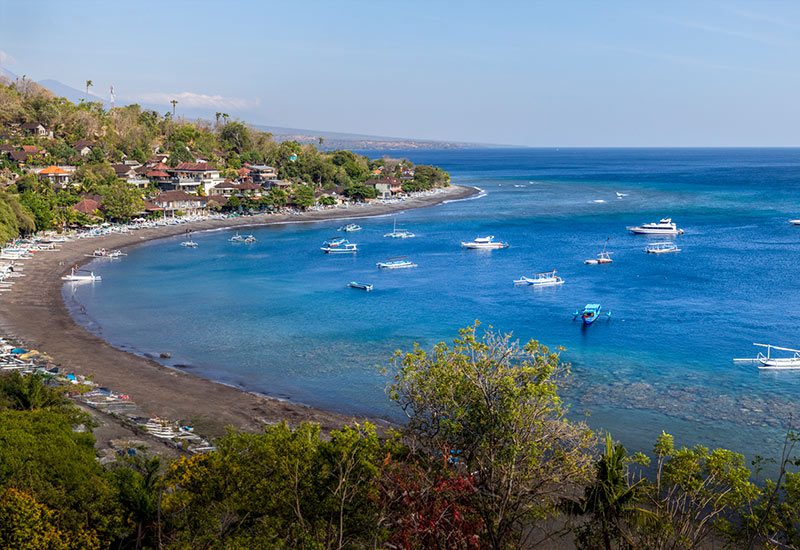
(620, 74)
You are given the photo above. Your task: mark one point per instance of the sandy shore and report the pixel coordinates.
(34, 313)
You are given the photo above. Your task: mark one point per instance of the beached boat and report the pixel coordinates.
(662, 248)
(400, 262)
(339, 246)
(484, 243)
(104, 253)
(360, 286)
(81, 275)
(790, 362)
(350, 227)
(663, 227)
(548, 278)
(399, 233)
(590, 313)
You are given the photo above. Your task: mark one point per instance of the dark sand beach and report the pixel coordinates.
(34, 313)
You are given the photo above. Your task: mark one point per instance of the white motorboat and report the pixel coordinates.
(350, 228)
(339, 246)
(189, 244)
(795, 222)
(484, 243)
(663, 227)
(662, 248)
(81, 275)
(548, 278)
(400, 262)
(768, 361)
(236, 239)
(249, 239)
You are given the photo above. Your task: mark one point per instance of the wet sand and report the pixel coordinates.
(34, 313)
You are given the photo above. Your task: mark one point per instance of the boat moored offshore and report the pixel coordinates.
(768, 361)
(360, 286)
(662, 248)
(548, 278)
(590, 313)
(350, 227)
(400, 262)
(484, 243)
(81, 275)
(339, 246)
(663, 227)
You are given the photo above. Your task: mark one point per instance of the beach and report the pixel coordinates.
(34, 314)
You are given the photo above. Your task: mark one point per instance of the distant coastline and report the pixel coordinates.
(35, 314)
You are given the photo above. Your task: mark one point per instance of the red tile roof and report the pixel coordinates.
(156, 174)
(193, 167)
(86, 206)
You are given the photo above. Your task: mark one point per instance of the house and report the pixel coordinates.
(216, 202)
(83, 147)
(250, 189)
(224, 189)
(56, 175)
(36, 129)
(130, 175)
(261, 173)
(189, 176)
(20, 157)
(386, 187)
(179, 201)
(86, 206)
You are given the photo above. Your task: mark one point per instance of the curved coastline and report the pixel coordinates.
(35, 314)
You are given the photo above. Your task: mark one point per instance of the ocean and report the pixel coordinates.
(276, 316)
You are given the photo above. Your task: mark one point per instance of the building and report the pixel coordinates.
(261, 173)
(179, 201)
(189, 176)
(56, 175)
(84, 147)
(386, 187)
(87, 206)
(224, 189)
(36, 129)
(130, 174)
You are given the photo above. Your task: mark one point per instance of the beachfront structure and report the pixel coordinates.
(261, 173)
(189, 176)
(179, 201)
(57, 175)
(87, 206)
(386, 187)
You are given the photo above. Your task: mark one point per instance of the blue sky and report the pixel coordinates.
(557, 73)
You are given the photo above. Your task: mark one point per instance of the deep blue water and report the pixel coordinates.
(276, 317)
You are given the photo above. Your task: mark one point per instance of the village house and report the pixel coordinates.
(386, 187)
(179, 201)
(84, 147)
(261, 173)
(36, 129)
(57, 175)
(87, 206)
(224, 189)
(130, 175)
(189, 176)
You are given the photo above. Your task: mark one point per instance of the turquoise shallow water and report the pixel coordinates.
(276, 317)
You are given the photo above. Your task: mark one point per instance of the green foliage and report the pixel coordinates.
(41, 208)
(303, 196)
(121, 202)
(428, 177)
(15, 219)
(361, 192)
(495, 404)
(282, 489)
(28, 393)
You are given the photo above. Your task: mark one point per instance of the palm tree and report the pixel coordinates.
(89, 84)
(217, 115)
(174, 103)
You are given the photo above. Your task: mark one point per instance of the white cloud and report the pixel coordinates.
(6, 58)
(194, 100)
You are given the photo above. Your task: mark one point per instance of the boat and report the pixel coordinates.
(484, 243)
(81, 275)
(399, 233)
(663, 227)
(548, 278)
(400, 262)
(104, 253)
(620, 195)
(249, 239)
(792, 362)
(360, 286)
(662, 248)
(189, 244)
(236, 238)
(590, 313)
(350, 227)
(339, 246)
(795, 222)
(602, 258)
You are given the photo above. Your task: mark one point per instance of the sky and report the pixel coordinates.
(534, 73)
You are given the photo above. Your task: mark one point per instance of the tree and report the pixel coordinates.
(89, 84)
(138, 484)
(361, 192)
(121, 201)
(494, 404)
(277, 197)
(303, 196)
(174, 104)
(27, 393)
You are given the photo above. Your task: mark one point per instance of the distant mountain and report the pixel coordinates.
(73, 94)
(5, 73)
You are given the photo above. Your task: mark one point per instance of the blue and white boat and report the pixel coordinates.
(548, 278)
(662, 248)
(350, 227)
(590, 313)
(400, 262)
(339, 246)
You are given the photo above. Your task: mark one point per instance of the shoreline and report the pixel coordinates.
(35, 314)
